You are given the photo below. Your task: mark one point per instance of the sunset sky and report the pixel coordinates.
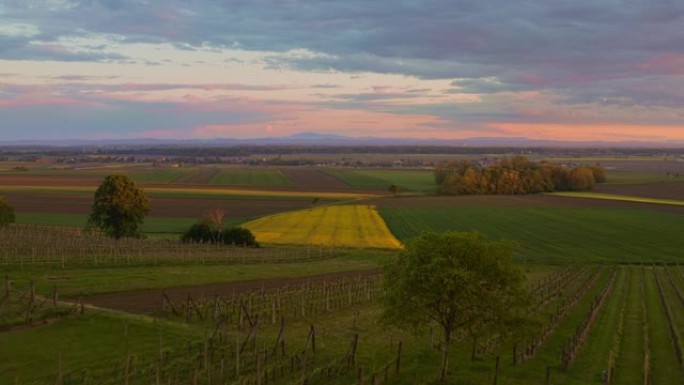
(608, 70)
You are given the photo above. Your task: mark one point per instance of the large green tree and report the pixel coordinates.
(463, 282)
(119, 207)
(6, 212)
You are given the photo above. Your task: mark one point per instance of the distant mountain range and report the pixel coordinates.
(318, 139)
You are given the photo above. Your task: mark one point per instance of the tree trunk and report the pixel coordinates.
(445, 357)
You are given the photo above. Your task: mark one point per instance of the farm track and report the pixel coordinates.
(674, 190)
(150, 301)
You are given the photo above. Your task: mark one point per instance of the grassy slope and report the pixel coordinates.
(556, 234)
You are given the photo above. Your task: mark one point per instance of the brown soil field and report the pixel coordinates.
(42, 180)
(311, 178)
(50, 203)
(652, 190)
(650, 166)
(149, 301)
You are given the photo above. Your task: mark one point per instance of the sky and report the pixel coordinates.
(580, 70)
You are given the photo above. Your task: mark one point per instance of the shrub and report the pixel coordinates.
(202, 232)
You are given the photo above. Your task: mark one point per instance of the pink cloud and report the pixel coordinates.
(666, 65)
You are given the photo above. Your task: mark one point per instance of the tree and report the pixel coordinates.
(6, 212)
(119, 207)
(461, 281)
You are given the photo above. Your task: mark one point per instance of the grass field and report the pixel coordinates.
(346, 226)
(639, 177)
(408, 180)
(96, 343)
(159, 175)
(248, 177)
(151, 225)
(558, 234)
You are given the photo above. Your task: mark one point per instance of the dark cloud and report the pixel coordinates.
(490, 47)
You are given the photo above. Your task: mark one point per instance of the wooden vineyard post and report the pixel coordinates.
(327, 295)
(237, 355)
(55, 295)
(58, 379)
(548, 376)
(273, 311)
(280, 340)
(127, 369)
(515, 353)
(496, 371)
(32, 295)
(398, 363)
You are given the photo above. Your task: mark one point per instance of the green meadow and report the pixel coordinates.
(248, 177)
(407, 180)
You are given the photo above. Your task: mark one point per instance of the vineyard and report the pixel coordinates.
(71, 247)
(595, 324)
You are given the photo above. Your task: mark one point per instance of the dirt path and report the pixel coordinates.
(149, 301)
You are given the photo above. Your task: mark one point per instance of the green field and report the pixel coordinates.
(640, 177)
(151, 224)
(558, 234)
(239, 177)
(160, 175)
(407, 180)
(96, 343)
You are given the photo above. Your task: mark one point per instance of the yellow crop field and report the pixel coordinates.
(348, 226)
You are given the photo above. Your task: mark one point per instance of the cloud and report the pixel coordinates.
(534, 61)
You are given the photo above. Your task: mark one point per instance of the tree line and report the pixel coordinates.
(516, 175)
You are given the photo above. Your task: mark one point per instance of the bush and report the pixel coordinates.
(203, 233)
(239, 236)
(200, 233)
